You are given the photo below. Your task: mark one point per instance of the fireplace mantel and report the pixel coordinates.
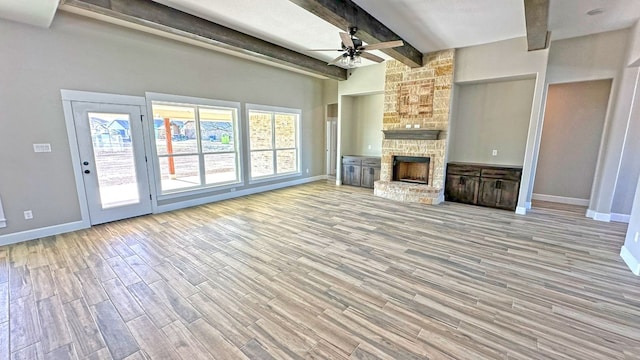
(411, 134)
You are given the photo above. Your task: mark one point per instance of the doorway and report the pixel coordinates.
(112, 160)
(571, 138)
(332, 138)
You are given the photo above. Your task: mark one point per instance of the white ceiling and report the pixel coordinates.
(567, 18)
(428, 25)
(32, 12)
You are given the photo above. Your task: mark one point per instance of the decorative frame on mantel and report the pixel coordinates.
(411, 134)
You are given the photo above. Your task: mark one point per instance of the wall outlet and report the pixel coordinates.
(28, 215)
(494, 152)
(369, 147)
(307, 170)
(635, 238)
(39, 148)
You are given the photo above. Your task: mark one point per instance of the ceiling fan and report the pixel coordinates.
(352, 49)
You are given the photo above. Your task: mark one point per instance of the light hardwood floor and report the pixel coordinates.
(319, 271)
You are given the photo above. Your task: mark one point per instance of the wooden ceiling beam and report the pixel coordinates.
(175, 22)
(346, 13)
(537, 17)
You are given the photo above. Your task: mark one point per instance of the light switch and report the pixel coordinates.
(494, 152)
(40, 148)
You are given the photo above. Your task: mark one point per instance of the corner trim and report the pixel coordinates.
(630, 260)
(598, 216)
(561, 199)
(623, 218)
(42, 232)
(235, 194)
(521, 210)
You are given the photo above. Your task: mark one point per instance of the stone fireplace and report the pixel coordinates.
(415, 122)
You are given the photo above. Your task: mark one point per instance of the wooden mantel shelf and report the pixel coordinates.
(411, 134)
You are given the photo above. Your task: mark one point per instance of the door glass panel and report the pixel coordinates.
(114, 161)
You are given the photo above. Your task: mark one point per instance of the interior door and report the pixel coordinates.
(111, 146)
(332, 146)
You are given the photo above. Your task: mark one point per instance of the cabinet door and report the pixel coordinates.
(499, 193)
(351, 175)
(460, 188)
(489, 192)
(508, 194)
(369, 176)
(356, 174)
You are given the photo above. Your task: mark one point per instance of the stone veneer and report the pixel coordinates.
(420, 96)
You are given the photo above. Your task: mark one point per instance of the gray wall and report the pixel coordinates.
(488, 116)
(82, 54)
(571, 136)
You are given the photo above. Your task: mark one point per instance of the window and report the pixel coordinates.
(273, 141)
(196, 144)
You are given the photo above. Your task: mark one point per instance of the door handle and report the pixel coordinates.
(87, 172)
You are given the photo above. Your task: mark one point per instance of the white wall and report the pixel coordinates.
(82, 54)
(633, 56)
(630, 251)
(490, 116)
(508, 59)
(571, 136)
(593, 57)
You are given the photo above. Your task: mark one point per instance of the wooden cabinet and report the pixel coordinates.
(360, 171)
(486, 185)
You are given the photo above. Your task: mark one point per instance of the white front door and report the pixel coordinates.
(113, 162)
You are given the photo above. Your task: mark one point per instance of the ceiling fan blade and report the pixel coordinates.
(383, 45)
(372, 57)
(325, 50)
(335, 61)
(346, 39)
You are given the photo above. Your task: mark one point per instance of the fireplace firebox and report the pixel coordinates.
(412, 169)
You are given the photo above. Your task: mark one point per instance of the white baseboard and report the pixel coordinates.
(42, 232)
(561, 199)
(598, 216)
(234, 194)
(623, 218)
(630, 260)
(521, 210)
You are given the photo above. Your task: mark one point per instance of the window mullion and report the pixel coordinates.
(199, 147)
(273, 143)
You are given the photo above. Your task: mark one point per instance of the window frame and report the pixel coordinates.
(273, 110)
(195, 102)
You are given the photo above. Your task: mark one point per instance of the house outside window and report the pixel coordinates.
(196, 144)
(274, 146)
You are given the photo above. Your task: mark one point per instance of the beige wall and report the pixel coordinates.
(367, 127)
(82, 54)
(571, 137)
(490, 116)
